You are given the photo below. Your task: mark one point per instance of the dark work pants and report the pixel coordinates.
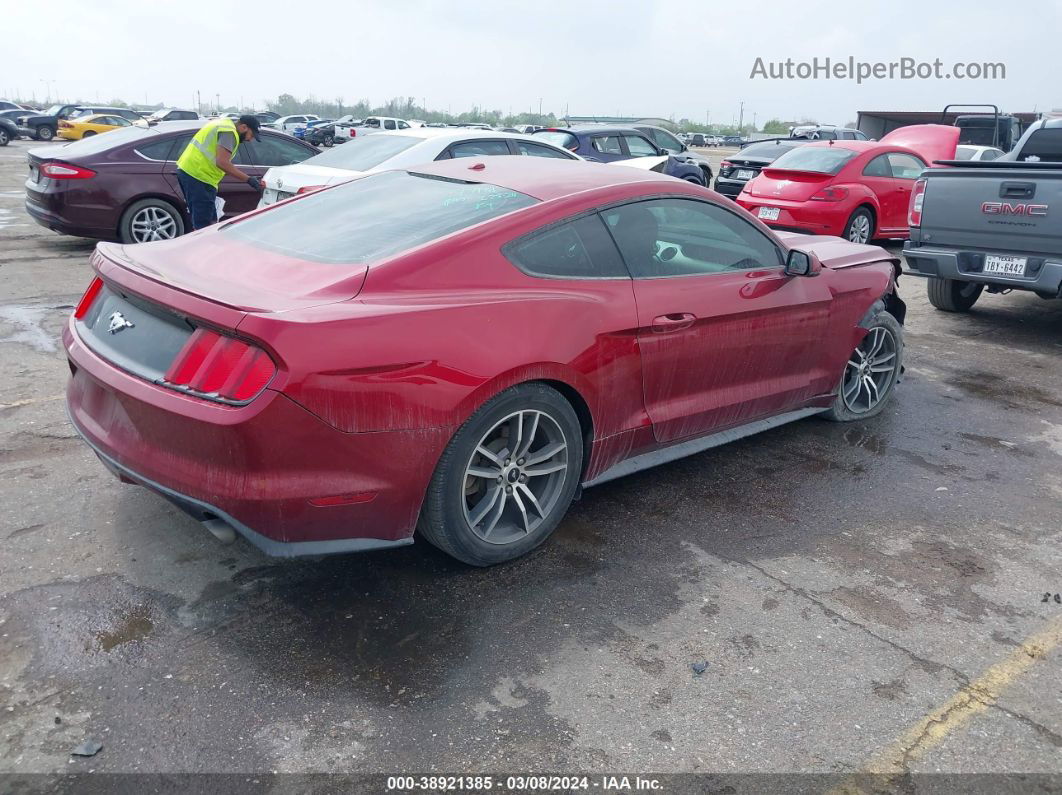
(200, 200)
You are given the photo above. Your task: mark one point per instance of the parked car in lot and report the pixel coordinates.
(991, 224)
(86, 126)
(859, 190)
(739, 168)
(300, 131)
(289, 123)
(697, 139)
(977, 153)
(248, 387)
(43, 126)
(602, 144)
(398, 149)
(171, 114)
(733, 140)
(367, 126)
(673, 145)
(123, 185)
(8, 131)
(827, 132)
(321, 135)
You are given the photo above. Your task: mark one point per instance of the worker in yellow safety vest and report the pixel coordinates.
(207, 159)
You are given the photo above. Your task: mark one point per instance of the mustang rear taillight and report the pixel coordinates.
(85, 304)
(830, 195)
(217, 367)
(918, 195)
(65, 171)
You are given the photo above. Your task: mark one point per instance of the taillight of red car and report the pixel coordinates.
(830, 195)
(918, 195)
(65, 171)
(217, 367)
(85, 304)
(308, 189)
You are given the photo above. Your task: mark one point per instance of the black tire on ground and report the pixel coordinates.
(88, 133)
(863, 220)
(881, 348)
(44, 133)
(125, 226)
(953, 295)
(445, 515)
(5, 139)
(328, 140)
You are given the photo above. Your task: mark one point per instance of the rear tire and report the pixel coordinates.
(860, 226)
(5, 139)
(328, 140)
(871, 372)
(506, 478)
(953, 295)
(139, 218)
(45, 133)
(88, 133)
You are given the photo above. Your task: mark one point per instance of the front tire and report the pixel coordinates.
(329, 140)
(860, 226)
(5, 139)
(953, 295)
(45, 133)
(506, 478)
(88, 133)
(871, 372)
(150, 219)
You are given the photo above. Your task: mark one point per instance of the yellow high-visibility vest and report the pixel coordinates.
(199, 159)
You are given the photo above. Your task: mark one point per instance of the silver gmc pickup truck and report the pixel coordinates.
(991, 225)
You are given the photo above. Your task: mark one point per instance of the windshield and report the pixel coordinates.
(768, 151)
(361, 154)
(53, 110)
(818, 159)
(374, 217)
(964, 152)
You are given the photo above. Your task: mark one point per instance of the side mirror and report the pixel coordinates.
(800, 263)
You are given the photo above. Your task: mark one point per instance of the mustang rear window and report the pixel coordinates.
(819, 159)
(375, 217)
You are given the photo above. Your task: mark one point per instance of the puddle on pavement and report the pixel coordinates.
(27, 321)
(995, 388)
(995, 443)
(135, 625)
(870, 442)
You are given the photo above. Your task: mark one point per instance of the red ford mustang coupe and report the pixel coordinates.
(859, 190)
(456, 350)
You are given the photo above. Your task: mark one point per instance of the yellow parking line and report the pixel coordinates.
(31, 401)
(960, 709)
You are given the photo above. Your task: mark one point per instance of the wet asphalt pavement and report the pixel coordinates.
(844, 584)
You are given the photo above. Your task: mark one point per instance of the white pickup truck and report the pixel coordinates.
(351, 128)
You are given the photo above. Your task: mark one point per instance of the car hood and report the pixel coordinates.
(835, 252)
(209, 265)
(931, 141)
(291, 178)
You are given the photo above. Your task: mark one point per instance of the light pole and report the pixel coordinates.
(48, 85)
(540, 106)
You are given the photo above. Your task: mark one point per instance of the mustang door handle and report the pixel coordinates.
(676, 321)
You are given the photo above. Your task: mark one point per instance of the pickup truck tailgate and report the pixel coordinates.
(1008, 210)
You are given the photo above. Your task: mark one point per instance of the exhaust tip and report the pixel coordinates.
(221, 530)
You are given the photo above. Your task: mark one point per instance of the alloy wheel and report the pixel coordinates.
(868, 376)
(515, 477)
(859, 232)
(153, 223)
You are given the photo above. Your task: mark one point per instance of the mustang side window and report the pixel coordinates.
(681, 237)
(580, 249)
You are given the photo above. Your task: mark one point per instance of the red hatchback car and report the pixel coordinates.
(859, 190)
(457, 349)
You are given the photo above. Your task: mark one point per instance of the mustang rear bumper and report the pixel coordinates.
(275, 473)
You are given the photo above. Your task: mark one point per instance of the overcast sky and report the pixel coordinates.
(663, 58)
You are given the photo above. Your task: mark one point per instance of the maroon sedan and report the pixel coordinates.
(123, 185)
(456, 349)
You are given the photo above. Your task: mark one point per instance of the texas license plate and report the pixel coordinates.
(745, 174)
(1007, 266)
(767, 213)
